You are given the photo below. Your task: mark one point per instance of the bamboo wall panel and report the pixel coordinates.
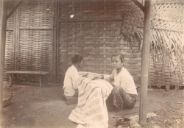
(36, 14)
(10, 44)
(167, 48)
(31, 26)
(9, 52)
(34, 49)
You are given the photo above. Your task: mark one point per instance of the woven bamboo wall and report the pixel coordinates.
(95, 29)
(10, 48)
(30, 37)
(98, 30)
(166, 68)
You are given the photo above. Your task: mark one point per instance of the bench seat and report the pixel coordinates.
(41, 74)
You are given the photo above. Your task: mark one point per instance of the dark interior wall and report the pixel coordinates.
(97, 30)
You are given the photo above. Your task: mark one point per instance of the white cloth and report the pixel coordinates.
(125, 80)
(91, 110)
(70, 81)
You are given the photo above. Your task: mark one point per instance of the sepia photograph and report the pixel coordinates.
(91, 63)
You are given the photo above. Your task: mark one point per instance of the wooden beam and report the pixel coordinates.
(55, 57)
(2, 51)
(145, 62)
(16, 38)
(14, 8)
(137, 3)
(90, 20)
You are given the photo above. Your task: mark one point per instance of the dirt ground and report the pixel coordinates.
(35, 107)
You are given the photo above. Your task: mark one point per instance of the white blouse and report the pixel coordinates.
(71, 81)
(125, 80)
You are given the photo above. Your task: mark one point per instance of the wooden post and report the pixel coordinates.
(16, 36)
(145, 63)
(2, 51)
(55, 41)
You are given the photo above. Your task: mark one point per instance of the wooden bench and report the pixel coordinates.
(42, 75)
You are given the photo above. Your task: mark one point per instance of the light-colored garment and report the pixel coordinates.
(70, 81)
(125, 80)
(91, 110)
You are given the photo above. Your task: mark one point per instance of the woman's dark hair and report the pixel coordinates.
(76, 59)
(120, 56)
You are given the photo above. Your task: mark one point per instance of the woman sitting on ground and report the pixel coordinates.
(124, 93)
(71, 79)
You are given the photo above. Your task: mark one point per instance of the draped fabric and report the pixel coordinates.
(91, 110)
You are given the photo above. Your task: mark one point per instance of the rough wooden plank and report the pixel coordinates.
(28, 72)
(2, 51)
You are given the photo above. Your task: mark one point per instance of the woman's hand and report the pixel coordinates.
(84, 74)
(96, 77)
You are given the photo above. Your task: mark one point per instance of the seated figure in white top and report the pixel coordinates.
(71, 79)
(124, 93)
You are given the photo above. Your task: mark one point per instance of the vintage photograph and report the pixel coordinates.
(91, 63)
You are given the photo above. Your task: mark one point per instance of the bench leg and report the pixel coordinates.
(10, 80)
(43, 80)
(40, 81)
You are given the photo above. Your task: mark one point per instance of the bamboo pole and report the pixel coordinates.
(2, 51)
(145, 63)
